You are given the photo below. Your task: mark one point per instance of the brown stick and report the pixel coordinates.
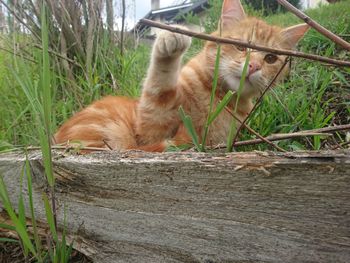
(19, 19)
(252, 131)
(285, 136)
(341, 145)
(330, 129)
(245, 44)
(58, 147)
(18, 55)
(122, 30)
(336, 39)
(262, 138)
(280, 137)
(59, 55)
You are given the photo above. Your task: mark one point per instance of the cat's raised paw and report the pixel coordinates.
(169, 44)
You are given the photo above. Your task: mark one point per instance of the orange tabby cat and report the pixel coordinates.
(152, 122)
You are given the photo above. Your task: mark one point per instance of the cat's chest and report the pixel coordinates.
(220, 127)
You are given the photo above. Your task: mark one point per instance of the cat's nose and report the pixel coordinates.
(253, 67)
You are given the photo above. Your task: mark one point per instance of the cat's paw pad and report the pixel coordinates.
(169, 44)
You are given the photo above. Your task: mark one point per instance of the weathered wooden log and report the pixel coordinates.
(194, 207)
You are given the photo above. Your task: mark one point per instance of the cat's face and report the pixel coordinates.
(262, 66)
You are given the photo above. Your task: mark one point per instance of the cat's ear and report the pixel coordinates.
(232, 12)
(293, 34)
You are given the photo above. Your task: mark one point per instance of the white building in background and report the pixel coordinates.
(175, 14)
(312, 3)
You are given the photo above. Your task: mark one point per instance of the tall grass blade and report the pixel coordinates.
(242, 80)
(45, 137)
(21, 207)
(233, 128)
(46, 152)
(9, 227)
(37, 239)
(20, 229)
(65, 251)
(187, 121)
(69, 252)
(22, 212)
(212, 96)
(47, 101)
(223, 103)
(50, 218)
(28, 88)
(4, 239)
(231, 135)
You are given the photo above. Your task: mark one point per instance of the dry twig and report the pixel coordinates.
(18, 55)
(336, 39)
(122, 29)
(19, 19)
(285, 136)
(58, 55)
(245, 44)
(341, 145)
(59, 147)
(262, 138)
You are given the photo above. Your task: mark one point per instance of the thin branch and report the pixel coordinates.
(341, 145)
(122, 30)
(336, 39)
(59, 55)
(18, 55)
(257, 103)
(107, 144)
(254, 132)
(67, 26)
(337, 128)
(245, 44)
(110, 19)
(90, 35)
(282, 136)
(19, 19)
(285, 136)
(58, 147)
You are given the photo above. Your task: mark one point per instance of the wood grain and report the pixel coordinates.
(194, 207)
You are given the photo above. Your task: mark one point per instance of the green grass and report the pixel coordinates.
(38, 94)
(110, 75)
(315, 95)
(31, 242)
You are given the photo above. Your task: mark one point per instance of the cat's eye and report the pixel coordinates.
(270, 58)
(240, 48)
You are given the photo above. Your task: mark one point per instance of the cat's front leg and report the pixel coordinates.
(157, 115)
(165, 63)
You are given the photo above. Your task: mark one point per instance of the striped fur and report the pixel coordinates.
(152, 122)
